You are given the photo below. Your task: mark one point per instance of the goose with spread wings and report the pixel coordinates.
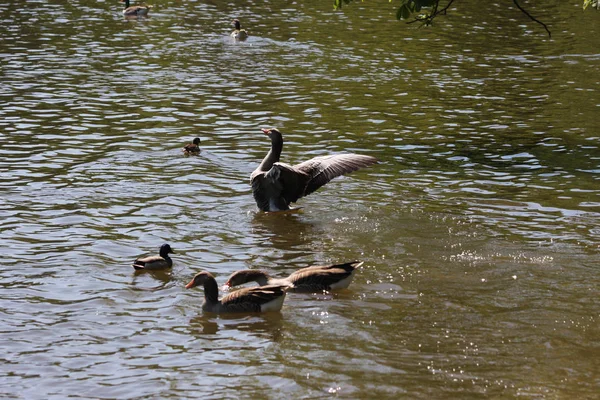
(275, 184)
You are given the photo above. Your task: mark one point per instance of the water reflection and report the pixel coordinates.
(267, 325)
(287, 231)
(163, 278)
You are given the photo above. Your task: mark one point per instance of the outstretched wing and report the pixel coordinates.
(323, 169)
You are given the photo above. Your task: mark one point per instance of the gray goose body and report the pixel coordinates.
(153, 263)
(275, 184)
(309, 279)
(250, 300)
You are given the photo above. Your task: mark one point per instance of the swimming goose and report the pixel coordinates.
(309, 279)
(135, 11)
(153, 263)
(255, 299)
(238, 33)
(275, 185)
(192, 148)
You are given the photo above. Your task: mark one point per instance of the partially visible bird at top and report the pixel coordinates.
(238, 33)
(135, 11)
(275, 185)
(192, 148)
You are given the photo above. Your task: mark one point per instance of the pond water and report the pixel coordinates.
(479, 228)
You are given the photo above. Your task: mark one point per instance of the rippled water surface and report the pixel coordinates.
(479, 227)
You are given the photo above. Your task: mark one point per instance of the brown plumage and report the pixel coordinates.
(192, 148)
(275, 185)
(255, 299)
(310, 279)
(153, 263)
(135, 11)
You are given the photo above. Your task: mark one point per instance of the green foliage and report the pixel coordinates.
(338, 3)
(594, 3)
(405, 9)
(409, 7)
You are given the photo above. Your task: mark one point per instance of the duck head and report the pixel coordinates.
(271, 133)
(165, 250)
(199, 279)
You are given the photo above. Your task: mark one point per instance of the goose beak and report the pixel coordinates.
(265, 131)
(190, 285)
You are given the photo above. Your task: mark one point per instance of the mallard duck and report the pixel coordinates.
(135, 11)
(192, 148)
(153, 263)
(238, 33)
(255, 299)
(310, 279)
(275, 185)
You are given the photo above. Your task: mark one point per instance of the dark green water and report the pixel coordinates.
(479, 228)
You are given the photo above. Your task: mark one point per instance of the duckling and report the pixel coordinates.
(153, 263)
(192, 148)
(238, 33)
(135, 11)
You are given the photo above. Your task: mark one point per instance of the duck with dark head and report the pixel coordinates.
(192, 148)
(238, 33)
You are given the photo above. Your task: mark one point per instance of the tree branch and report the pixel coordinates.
(532, 18)
(429, 19)
(443, 10)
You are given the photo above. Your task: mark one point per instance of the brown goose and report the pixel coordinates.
(309, 279)
(153, 263)
(255, 299)
(275, 185)
(192, 148)
(135, 11)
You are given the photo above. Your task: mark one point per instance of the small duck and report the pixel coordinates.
(310, 279)
(192, 148)
(135, 11)
(238, 33)
(153, 263)
(255, 299)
